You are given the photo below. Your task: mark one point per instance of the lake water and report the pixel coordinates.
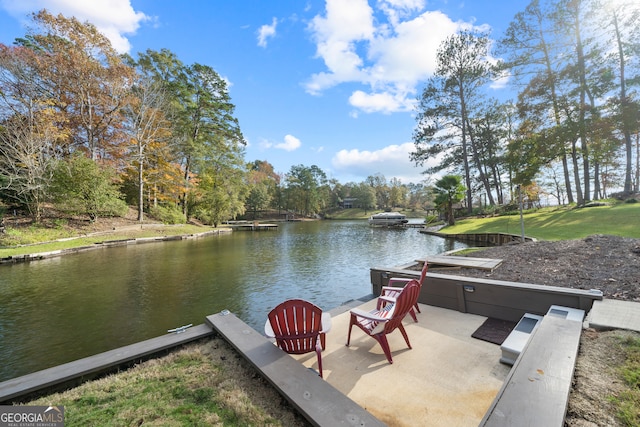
(61, 309)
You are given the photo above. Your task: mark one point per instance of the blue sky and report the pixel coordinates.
(328, 83)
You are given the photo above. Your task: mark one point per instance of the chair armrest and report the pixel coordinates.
(387, 298)
(268, 330)
(326, 323)
(390, 292)
(368, 315)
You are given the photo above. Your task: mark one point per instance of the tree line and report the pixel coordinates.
(576, 67)
(93, 132)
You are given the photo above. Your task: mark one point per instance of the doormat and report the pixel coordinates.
(494, 330)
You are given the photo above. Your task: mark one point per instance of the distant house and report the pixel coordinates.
(348, 202)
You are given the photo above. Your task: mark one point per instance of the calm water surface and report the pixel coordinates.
(61, 309)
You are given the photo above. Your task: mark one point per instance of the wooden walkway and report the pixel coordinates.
(462, 261)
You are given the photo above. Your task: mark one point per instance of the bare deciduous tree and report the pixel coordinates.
(27, 146)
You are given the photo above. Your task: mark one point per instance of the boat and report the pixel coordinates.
(388, 219)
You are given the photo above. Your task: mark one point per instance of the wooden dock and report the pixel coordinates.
(489, 264)
(497, 239)
(253, 226)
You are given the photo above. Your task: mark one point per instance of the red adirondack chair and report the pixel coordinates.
(390, 292)
(379, 323)
(297, 327)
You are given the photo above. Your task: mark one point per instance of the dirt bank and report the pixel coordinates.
(608, 263)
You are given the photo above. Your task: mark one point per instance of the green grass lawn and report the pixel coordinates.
(560, 223)
(22, 242)
(203, 384)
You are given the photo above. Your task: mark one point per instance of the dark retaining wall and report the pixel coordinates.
(491, 298)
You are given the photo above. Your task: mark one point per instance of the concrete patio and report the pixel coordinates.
(447, 379)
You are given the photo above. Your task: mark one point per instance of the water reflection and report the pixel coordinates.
(57, 310)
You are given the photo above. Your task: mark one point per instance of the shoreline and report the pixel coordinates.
(36, 256)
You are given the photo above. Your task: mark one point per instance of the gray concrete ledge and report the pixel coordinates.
(72, 373)
(614, 314)
(536, 391)
(318, 401)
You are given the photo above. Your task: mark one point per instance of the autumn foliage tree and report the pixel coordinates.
(206, 138)
(165, 127)
(149, 131)
(28, 159)
(86, 78)
(31, 129)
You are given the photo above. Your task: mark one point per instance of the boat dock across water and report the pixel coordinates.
(252, 226)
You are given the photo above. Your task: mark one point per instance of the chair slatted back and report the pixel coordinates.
(296, 324)
(423, 273)
(405, 300)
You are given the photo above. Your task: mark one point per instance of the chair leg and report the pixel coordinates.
(413, 315)
(323, 340)
(351, 322)
(382, 339)
(404, 334)
(417, 308)
(319, 353)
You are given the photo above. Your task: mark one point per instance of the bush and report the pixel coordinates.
(114, 207)
(81, 186)
(168, 214)
(511, 208)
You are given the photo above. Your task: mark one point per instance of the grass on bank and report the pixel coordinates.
(628, 402)
(560, 223)
(22, 241)
(204, 384)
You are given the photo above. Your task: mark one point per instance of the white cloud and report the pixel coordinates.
(336, 35)
(384, 102)
(391, 161)
(397, 9)
(409, 54)
(290, 143)
(115, 18)
(266, 32)
(390, 50)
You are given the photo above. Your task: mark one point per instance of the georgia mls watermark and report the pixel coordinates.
(31, 416)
